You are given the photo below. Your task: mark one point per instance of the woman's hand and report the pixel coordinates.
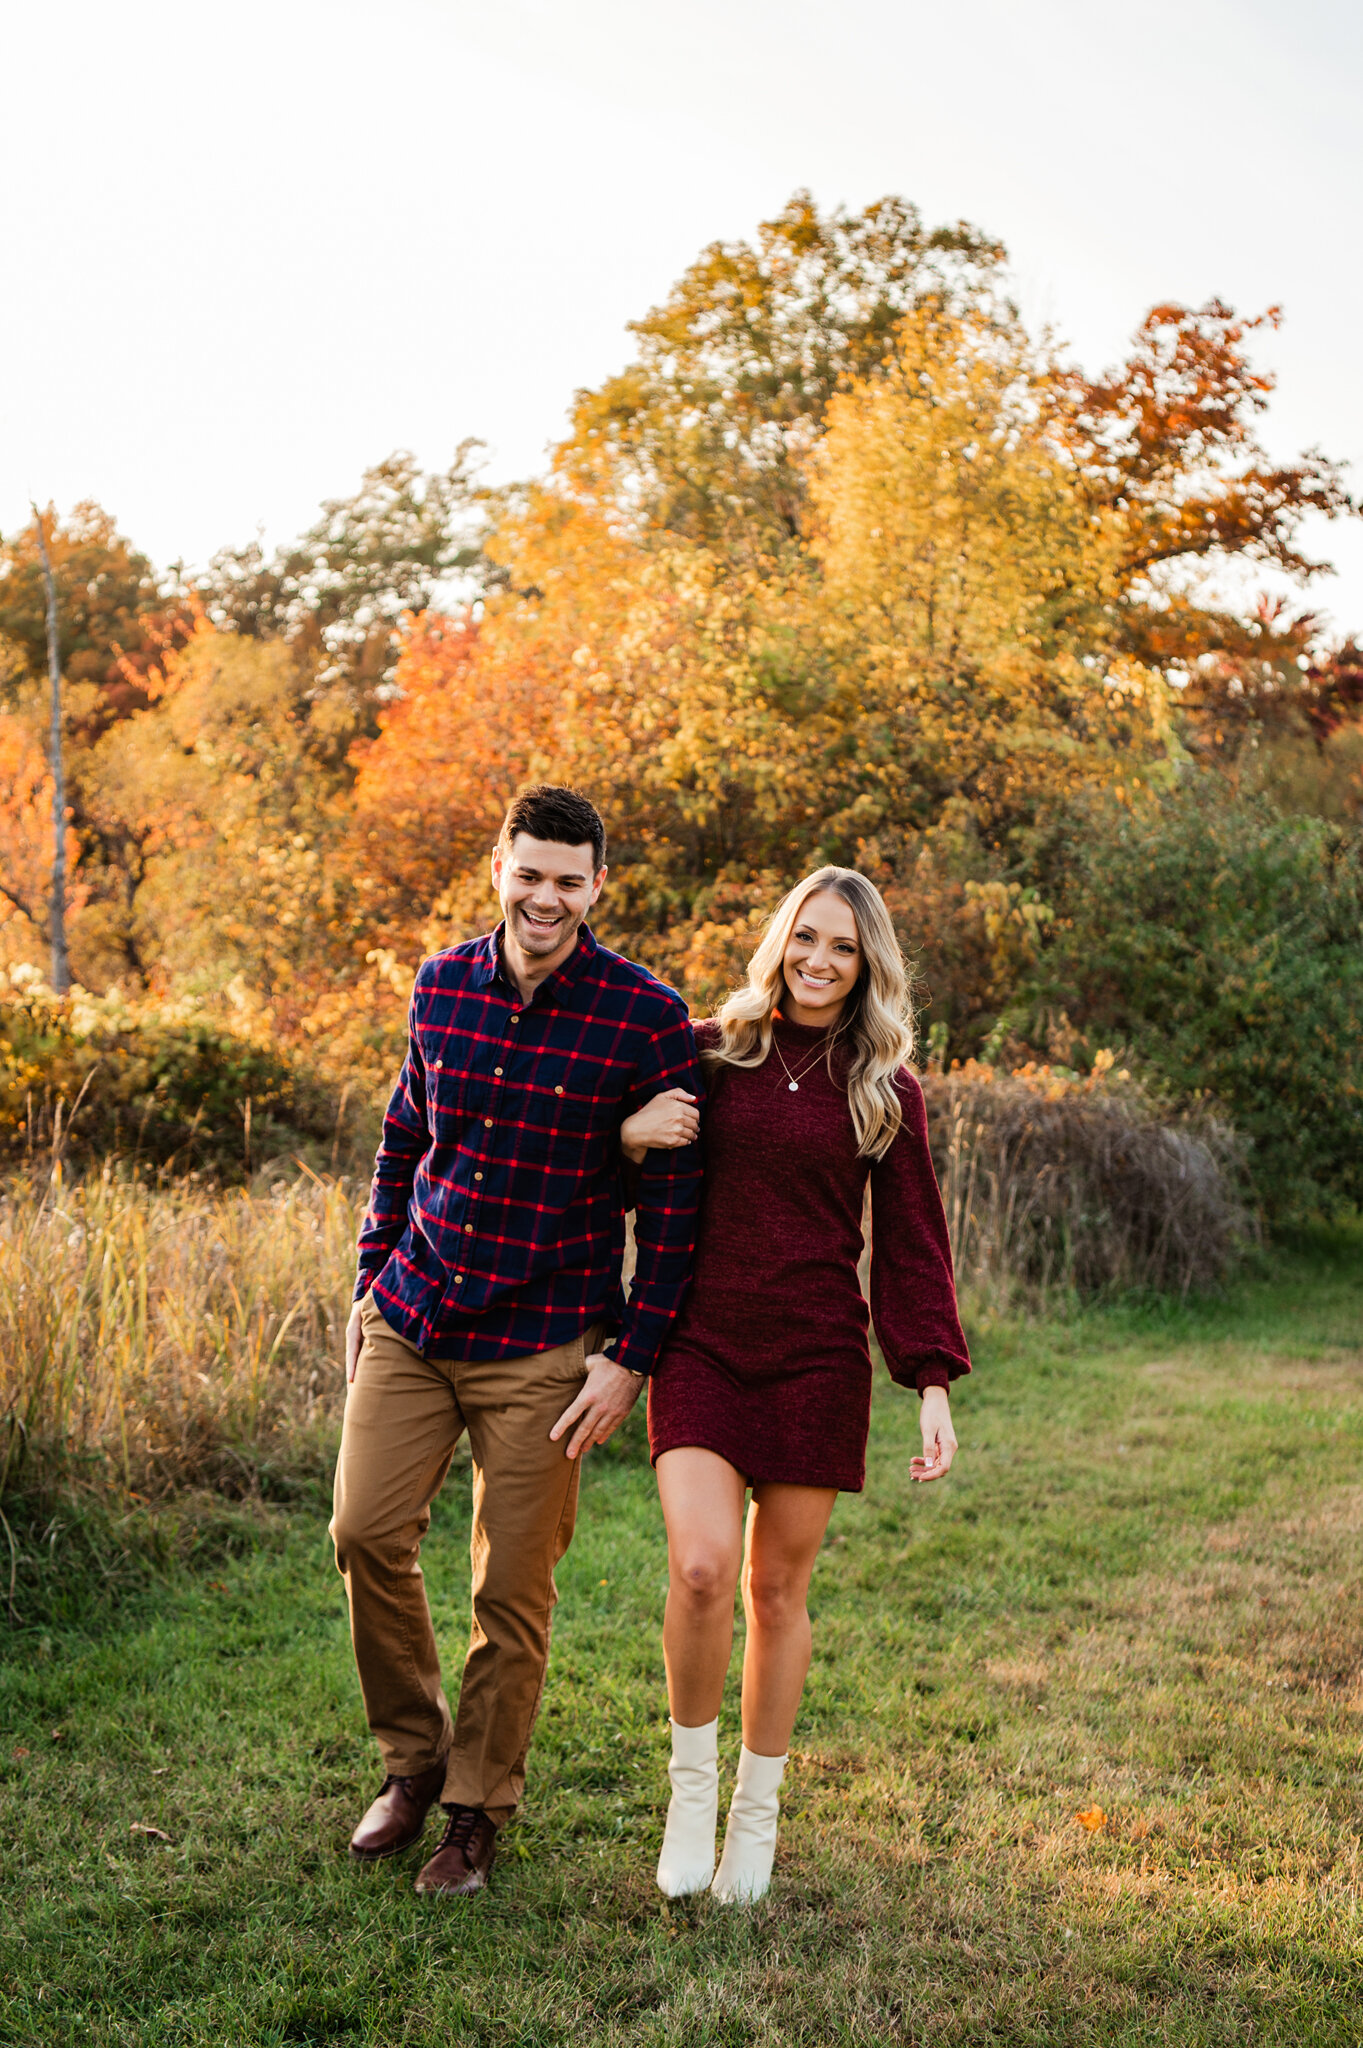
(939, 1438)
(669, 1120)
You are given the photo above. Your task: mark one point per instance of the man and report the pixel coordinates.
(489, 1279)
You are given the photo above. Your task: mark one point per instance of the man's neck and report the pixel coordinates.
(527, 972)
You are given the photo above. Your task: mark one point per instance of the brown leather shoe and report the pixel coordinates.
(398, 1815)
(463, 1862)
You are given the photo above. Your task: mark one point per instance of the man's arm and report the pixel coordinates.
(403, 1145)
(404, 1141)
(666, 1207)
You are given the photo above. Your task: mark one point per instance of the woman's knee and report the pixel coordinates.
(704, 1574)
(774, 1599)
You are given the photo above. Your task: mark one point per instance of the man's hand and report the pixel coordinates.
(353, 1340)
(939, 1438)
(608, 1393)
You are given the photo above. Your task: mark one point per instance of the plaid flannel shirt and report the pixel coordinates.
(496, 1224)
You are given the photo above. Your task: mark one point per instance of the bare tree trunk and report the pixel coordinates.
(61, 971)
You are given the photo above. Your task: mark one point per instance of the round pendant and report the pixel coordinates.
(794, 1087)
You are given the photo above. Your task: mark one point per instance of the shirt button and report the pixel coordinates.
(558, 1091)
(488, 1121)
(514, 1015)
(439, 1064)
(496, 1070)
(477, 1176)
(469, 1228)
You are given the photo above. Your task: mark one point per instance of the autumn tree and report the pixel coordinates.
(972, 583)
(337, 593)
(704, 435)
(117, 621)
(26, 845)
(231, 783)
(1169, 446)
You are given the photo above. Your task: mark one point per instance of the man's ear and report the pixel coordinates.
(498, 856)
(597, 881)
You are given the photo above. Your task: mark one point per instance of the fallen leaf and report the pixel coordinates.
(20, 1752)
(1092, 1818)
(144, 1827)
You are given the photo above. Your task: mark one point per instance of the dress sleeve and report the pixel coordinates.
(913, 1293)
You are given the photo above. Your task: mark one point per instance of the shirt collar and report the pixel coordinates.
(555, 987)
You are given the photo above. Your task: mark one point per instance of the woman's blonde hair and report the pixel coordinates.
(876, 1025)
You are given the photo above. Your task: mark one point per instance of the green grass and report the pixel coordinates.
(1139, 1592)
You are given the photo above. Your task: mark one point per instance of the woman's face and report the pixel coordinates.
(822, 960)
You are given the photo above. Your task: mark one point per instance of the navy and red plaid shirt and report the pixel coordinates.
(496, 1220)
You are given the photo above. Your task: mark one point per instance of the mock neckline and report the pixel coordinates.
(809, 1032)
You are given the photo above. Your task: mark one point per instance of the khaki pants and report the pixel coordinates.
(404, 1415)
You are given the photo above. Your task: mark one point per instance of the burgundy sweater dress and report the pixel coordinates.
(768, 1364)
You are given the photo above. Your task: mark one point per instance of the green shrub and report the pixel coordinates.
(1222, 942)
(87, 1079)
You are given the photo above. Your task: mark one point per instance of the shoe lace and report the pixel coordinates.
(463, 1824)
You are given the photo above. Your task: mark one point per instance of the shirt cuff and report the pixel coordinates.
(932, 1376)
(632, 1350)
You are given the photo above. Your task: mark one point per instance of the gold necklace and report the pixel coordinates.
(793, 1080)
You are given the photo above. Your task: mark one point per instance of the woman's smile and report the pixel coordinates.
(822, 961)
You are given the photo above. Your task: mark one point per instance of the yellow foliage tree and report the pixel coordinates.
(971, 583)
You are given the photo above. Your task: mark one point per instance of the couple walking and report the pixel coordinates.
(548, 1085)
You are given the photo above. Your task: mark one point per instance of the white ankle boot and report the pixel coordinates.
(687, 1861)
(750, 1836)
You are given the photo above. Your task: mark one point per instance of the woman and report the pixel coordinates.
(766, 1383)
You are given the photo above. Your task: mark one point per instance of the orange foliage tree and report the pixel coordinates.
(26, 845)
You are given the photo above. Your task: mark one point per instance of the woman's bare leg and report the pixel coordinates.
(786, 1525)
(702, 1497)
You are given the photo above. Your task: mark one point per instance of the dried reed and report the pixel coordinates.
(152, 1340)
(1084, 1185)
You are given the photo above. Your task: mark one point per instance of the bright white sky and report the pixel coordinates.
(251, 249)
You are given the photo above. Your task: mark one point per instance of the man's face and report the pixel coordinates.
(545, 891)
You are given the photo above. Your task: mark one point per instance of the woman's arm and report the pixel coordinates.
(669, 1121)
(913, 1293)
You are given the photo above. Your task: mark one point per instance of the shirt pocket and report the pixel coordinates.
(449, 1098)
(565, 1112)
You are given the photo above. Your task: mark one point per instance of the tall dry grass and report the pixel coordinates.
(1053, 1181)
(162, 1344)
(155, 1340)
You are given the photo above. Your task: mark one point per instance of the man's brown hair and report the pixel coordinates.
(550, 810)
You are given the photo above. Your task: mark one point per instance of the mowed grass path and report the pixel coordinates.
(1140, 1596)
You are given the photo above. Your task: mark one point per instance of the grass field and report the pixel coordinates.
(1140, 1598)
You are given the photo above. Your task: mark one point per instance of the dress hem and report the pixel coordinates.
(757, 1478)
